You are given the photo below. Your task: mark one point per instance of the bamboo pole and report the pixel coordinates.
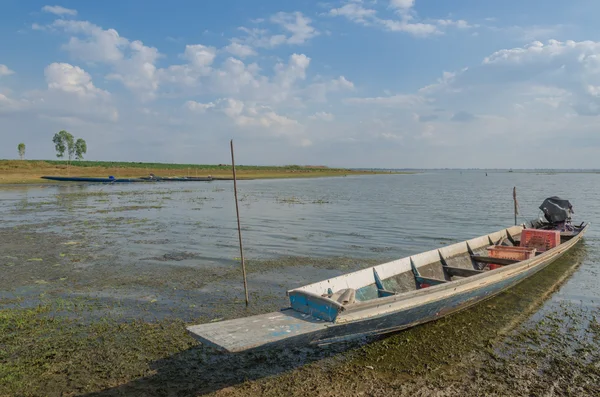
(515, 202)
(237, 211)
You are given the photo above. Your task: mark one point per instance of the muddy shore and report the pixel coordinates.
(60, 342)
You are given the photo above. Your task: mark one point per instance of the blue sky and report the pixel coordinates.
(386, 83)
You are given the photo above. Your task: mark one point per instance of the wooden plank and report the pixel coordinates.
(462, 272)
(497, 261)
(250, 332)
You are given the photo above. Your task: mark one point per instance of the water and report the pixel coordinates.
(173, 247)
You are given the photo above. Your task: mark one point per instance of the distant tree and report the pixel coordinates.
(63, 141)
(80, 149)
(21, 149)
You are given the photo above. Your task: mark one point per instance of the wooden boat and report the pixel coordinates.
(92, 179)
(391, 296)
(127, 180)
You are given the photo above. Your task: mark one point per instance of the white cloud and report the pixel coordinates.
(70, 97)
(319, 91)
(402, 4)
(132, 62)
(60, 11)
(395, 101)
(296, 27)
(322, 116)
(138, 72)
(459, 24)
(405, 19)
(5, 71)
(95, 43)
(70, 93)
(287, 74)
(235, 77)
(253, 115)
(199, 107)
(71, 79)
(296, 24)
(355, 13)
(200, 56)
(240, 50)
(416, 29)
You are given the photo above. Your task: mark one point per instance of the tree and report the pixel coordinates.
(64, 141)
(80, 149)
(21, 149)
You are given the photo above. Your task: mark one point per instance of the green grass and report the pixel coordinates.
(169, 166)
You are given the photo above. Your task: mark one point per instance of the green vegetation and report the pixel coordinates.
(30, 171)
(64, 141)
(21, 149)
(173, 166)
(80, 149)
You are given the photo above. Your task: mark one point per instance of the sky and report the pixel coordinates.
(348, 83)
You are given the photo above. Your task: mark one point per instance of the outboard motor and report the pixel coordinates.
(558, 212)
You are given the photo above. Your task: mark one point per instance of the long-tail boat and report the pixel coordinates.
(405, 292)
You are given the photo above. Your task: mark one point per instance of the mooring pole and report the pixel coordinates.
(515, 200)
(237, 211)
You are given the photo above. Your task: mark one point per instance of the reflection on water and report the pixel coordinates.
(138, 241)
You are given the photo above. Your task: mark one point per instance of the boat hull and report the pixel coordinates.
(126, 180)
(377, 317)
(91, 179)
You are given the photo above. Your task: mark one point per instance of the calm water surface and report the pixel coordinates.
(182, 236)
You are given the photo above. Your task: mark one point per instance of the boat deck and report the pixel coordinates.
(263, 329)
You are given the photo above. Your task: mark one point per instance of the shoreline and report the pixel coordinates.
(23, 172)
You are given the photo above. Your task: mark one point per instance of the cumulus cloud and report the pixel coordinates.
(71, 96)
(71, 79)
(240, 50)
(132, 62)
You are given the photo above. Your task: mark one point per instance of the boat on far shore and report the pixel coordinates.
(112, 179)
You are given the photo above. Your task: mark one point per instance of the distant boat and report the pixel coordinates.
(90, 179)
(127, 180)
(397, 295)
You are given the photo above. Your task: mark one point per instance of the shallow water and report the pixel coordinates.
(172, 249)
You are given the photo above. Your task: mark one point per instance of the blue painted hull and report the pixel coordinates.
(90, 179)
(124, 180)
